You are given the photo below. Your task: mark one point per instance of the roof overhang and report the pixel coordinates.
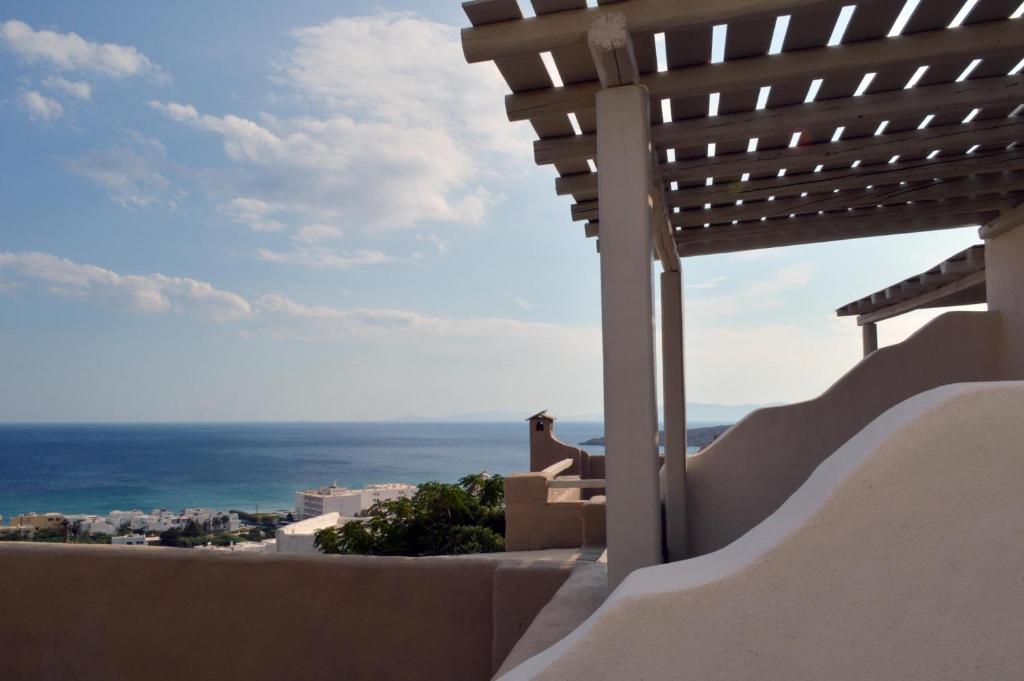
(827, 133)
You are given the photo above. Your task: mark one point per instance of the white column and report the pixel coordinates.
(674, 389)
(1004, 280)
(869, 333)
(627, 293)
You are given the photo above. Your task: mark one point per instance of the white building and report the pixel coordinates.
(91, 524)
(311, 503)
(297, 538)
(160, 519)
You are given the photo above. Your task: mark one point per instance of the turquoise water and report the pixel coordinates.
(98, 468)
(101, 467)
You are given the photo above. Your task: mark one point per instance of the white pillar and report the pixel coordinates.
(674, 389)
(1004, 280)
(630, 407)
(869, 333)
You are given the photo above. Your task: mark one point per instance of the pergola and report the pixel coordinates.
(684, 128)
(957, 280)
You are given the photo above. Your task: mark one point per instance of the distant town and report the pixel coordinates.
(278, 531)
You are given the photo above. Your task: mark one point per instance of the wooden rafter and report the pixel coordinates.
(763, 192)
(562, 29)
(996, 38)
(831, 113)
(851, 178)
(997, 131)
(929, 190)
(815, 229)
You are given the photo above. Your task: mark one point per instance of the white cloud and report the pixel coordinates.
(39, 106)
(484, 334)
(152, 293)
(78, 89)
(130, 172)
(318, 257)
(315, 234)
(522, 302)
(252, 212)
(439, 243)
(71, 52)
(351, 64)
(403, 136)
(763, 294)
(357, 172)
(710, 283)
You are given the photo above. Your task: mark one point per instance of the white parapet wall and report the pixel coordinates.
(899, 558)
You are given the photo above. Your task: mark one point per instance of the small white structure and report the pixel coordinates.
(344, 501)
(129, 540)
(297, 538)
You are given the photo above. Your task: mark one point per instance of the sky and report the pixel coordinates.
(256, 210)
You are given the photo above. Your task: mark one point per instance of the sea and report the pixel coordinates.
(97, 468)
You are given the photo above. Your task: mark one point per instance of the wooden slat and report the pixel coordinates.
(955, 98)
(851, 178)
(992, 39)
(819, 230)
(992, 133)
(885, 213)
(928, 298)
(541, 34)
(930, 190)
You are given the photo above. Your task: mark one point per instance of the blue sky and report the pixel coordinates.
(317, 210)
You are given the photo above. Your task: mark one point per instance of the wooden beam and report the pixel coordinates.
(850, 178)
(562, 29)
(959, 137)
(886, 213)
(664, 241)
(585, 210)
(821, 231)
(830, 113)
(990, 133)
(1003, 224)
(993, 39)
(928, 190)
(929, 298)
(612, 50)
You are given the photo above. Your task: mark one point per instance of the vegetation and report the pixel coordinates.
(67, 532)
(194, 534)
(439, 519)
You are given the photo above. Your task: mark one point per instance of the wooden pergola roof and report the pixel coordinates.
(958, 280)
(813, 120)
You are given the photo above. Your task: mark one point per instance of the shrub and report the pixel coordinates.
(439, 519)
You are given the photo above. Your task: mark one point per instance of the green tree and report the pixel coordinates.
(439, 519)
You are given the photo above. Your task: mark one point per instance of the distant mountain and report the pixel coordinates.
(695, 437)
(696, 412)
(719, 413)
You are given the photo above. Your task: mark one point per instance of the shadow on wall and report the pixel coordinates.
(753, 468)
(160, 614)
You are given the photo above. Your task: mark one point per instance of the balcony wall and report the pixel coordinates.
(152, 614)
(899, 558)
(749, 471)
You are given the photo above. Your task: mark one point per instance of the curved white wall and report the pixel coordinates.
(899, 558)
(750, 471)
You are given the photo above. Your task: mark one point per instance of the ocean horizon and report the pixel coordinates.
(99, 467)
